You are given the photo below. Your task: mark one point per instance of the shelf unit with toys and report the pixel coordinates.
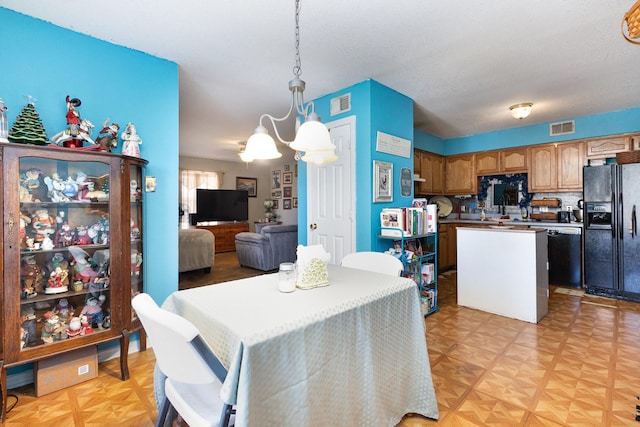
(71, 254)
(419, 255)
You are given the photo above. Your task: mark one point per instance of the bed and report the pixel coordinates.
(196, 249)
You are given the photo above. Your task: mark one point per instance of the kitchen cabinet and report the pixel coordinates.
(514, 160)
(460, 174)
(428, 166)
(607, 147)
(502, 161)
(446, 246)
(543, 173)
(488, 163)
(556, 167)
(635, 142)
(71, 254)
(570, 160)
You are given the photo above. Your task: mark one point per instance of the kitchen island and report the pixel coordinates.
(503, 270)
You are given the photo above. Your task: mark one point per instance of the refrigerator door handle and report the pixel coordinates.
(633, 228)
(620, 216)
(613, 228)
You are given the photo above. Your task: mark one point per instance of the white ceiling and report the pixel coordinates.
(463, 62)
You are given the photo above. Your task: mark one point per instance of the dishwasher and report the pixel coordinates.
(565, 256)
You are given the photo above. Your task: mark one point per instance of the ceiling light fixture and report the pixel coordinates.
(521, 111)
(632, 19)
(312, 137)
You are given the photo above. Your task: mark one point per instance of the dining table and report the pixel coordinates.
(352, 353)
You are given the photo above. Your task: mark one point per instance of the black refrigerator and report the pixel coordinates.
(611, 243)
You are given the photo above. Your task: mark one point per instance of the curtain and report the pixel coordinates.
(190, 180)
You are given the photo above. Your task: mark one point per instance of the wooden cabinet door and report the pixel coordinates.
(426, 166)
(460, 174)
(488, 163)
(635, 142)
(542, 172)
(443, 245)
(437, 174)
(570, 162)
(514, 160)
(608, 147)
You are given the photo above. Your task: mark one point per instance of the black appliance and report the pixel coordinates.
(565, 256)
(221, 205)
(611, 242)
(564, 216)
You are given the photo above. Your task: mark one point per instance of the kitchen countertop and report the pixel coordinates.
(541, 224)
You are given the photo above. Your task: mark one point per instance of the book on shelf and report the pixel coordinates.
(406, 222)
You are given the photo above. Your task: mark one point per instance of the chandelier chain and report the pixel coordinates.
(297, 69)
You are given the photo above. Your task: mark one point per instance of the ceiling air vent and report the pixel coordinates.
(341, 104)
(562, 128)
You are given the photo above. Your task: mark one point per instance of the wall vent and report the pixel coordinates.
(562, 128)
(341, 104)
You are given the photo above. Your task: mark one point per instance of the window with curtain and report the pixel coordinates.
(190, 180)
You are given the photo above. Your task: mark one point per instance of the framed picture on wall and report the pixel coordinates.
(286, 168)
(249, 185)
(276, 194)
(382, 181)
(276, 180)
(286, 203)
(287, 192)
(295, 202)
(276, 203)
(287, 178)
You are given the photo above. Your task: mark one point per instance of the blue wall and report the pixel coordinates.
(49, 63)
(377, 108)
(597, 125)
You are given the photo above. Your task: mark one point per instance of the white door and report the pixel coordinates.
(331, 195)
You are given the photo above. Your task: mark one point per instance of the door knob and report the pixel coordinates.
(313, 226)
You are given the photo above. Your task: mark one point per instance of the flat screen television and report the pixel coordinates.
(222, 205)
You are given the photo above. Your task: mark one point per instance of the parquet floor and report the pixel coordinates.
(580, 366)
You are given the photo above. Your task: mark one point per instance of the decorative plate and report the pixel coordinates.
(444, 205)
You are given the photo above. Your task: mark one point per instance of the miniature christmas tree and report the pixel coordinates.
(28, 128)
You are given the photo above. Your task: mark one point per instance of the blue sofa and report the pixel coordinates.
(266, 250)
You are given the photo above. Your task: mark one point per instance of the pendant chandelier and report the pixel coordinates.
(312, 137)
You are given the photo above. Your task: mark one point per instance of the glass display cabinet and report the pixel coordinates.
(72, 252)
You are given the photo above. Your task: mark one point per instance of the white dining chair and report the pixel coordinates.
(374, 261)
(194, 373)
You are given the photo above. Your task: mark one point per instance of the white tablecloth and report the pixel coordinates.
(350, 354)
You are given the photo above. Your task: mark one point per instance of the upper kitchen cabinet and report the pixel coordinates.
(501, 161)
(556, 167)
(488, 163)
(543, 174)
(570, 162)
(635, 142)
(428, 166)
(460, 174)
(608, 147)
(514, 160)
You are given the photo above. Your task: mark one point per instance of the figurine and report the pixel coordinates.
(93, 311)
(63, 308)
(42, 224)
(34, 182)
(55, 283)
(59, 262)
(24, 221)
(32, 277)
(108, 137)
(28, 325)
(56, 185)
(83, 269)
(52, 328)
(65, 236)
(135, 231)
(132, 141)
(82, 236)
(136, 262)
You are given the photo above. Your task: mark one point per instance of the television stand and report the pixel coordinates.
(225, 234)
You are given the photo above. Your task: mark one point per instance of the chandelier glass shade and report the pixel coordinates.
(521, 111)
(312, 138)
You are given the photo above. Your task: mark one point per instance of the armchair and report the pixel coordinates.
(266, 250)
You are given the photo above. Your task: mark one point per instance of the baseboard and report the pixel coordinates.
(23, 375)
